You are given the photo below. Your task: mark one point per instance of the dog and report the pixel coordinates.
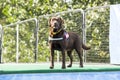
(64, 41)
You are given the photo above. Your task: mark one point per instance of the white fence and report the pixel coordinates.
(83, 22)
(15, 38)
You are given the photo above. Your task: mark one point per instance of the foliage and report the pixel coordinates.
(98, 34)
(17, 10)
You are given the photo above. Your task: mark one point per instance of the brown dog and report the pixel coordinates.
(60, 40)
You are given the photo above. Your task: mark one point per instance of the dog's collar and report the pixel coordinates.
(55, 39)
(54, 33)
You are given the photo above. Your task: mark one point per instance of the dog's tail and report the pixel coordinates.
(85, 47)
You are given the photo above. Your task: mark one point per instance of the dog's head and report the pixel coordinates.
(55, 24)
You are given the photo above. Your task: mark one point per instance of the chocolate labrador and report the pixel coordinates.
(64, 41)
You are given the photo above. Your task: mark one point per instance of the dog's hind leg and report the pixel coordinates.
(69, 53)
(79, 52)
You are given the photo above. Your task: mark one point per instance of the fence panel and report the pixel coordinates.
(19, 41)
(73, 21)
(97, 34)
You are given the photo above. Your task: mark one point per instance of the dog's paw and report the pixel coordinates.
(51, 67)
(81, 66)
(63, 67)
(69, 65)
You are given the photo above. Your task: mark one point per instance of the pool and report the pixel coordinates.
(42, 72)
(64, 76)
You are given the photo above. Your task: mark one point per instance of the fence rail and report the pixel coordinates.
(63, 12)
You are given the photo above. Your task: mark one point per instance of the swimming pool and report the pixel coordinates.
(64, 76)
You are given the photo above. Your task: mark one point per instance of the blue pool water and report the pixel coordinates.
(64, 76)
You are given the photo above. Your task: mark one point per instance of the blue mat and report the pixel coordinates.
(64, 76)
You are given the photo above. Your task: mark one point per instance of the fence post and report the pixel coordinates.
(17, 43)
(36, 39)
(1, 33)
(84, 34)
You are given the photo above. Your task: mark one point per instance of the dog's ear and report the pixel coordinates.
(61, 20)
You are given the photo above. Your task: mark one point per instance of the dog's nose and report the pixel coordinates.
(55, 24)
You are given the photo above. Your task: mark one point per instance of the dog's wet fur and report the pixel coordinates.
(66, 44)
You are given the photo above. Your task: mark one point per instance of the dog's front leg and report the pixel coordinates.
(63, 59)
(52, 59)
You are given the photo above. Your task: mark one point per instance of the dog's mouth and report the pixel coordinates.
(55, 30)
